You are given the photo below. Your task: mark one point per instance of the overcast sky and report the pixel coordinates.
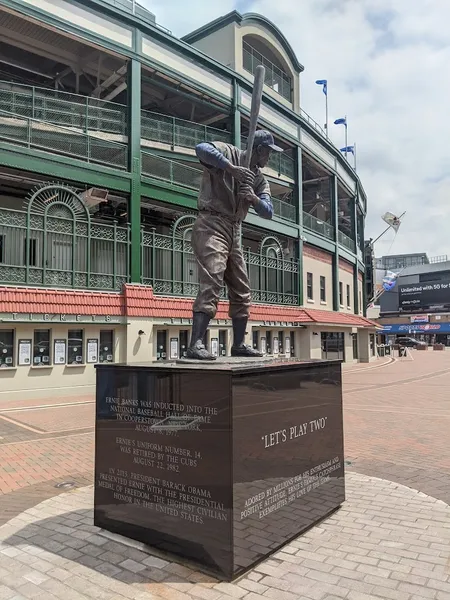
(387, 64)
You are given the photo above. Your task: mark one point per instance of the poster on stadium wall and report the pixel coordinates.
(424, 295)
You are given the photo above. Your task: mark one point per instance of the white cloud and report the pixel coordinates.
(386, 62)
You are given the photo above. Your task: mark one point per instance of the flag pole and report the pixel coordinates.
(326, 112)
(354, 153)
(346, 138)
(386, 230)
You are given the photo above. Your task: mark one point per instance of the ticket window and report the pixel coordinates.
(161, 345)
(269, 348)
(276, 347)
(255, 336)
(293, 343)
(222, 342)
(281, 347)
(184, 341)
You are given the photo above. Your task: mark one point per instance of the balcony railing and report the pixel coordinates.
(275, 78)
(170, 171)
(92, 115)
(318, 226)
(40, 135)
(64, 109)
(283, 164)
(55, 251)
(62, 252)
(177, 132)
(169, 266)
(346, 241)
(284, 210)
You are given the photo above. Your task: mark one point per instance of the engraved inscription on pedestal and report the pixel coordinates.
(158, 439)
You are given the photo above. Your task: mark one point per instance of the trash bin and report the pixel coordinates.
(381, 351)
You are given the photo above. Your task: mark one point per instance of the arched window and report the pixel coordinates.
(60, 246)
(256, 51)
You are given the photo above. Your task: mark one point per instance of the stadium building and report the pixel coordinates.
(100, 112)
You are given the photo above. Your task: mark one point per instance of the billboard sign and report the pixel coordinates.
(423, 295)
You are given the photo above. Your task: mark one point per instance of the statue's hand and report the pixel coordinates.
(242, 174)
(247, 194)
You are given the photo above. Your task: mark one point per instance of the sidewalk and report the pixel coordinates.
(386, 542)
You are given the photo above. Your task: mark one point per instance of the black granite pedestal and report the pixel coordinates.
(220, 463)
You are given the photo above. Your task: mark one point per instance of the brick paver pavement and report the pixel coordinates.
(397, 419)
(387, 542)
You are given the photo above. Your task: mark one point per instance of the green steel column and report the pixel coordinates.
(335, 216)
(236, 115)
(356, 270)
(299, 203)
(134, 146)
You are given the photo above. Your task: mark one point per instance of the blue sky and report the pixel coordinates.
(386, 62)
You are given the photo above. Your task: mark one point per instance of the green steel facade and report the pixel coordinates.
(72, 141)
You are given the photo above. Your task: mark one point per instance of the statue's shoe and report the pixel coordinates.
(199, 352)
(245, 351)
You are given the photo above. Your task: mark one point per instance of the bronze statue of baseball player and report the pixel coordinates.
(227, 192)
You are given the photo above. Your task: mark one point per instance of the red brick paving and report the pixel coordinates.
(397, 420)
(29, 463)
(6, 404)
(53, 419)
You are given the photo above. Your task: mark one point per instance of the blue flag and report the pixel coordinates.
(389, 281)
(324, 83)
(342, 121)
(350, 149)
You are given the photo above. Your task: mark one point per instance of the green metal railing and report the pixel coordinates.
(275, 78)
(169, 266)
(92, 114)
(346, 241)
(283, 164)
(54, 251)
(62, 108)
(285, 210)
(170, 171)
(318, 226)
(177, 132)
(40, 135)
(88, 115)
(51, 250)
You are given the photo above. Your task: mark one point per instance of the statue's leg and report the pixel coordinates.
(211, 249)
(236, 279)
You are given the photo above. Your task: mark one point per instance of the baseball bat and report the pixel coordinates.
(260, 73)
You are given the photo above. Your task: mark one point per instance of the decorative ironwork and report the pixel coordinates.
(57, 200)
(53, 243)
(168, 264)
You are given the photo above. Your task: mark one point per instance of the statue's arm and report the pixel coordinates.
(264, 206)
(210, 156)
(262, 201)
